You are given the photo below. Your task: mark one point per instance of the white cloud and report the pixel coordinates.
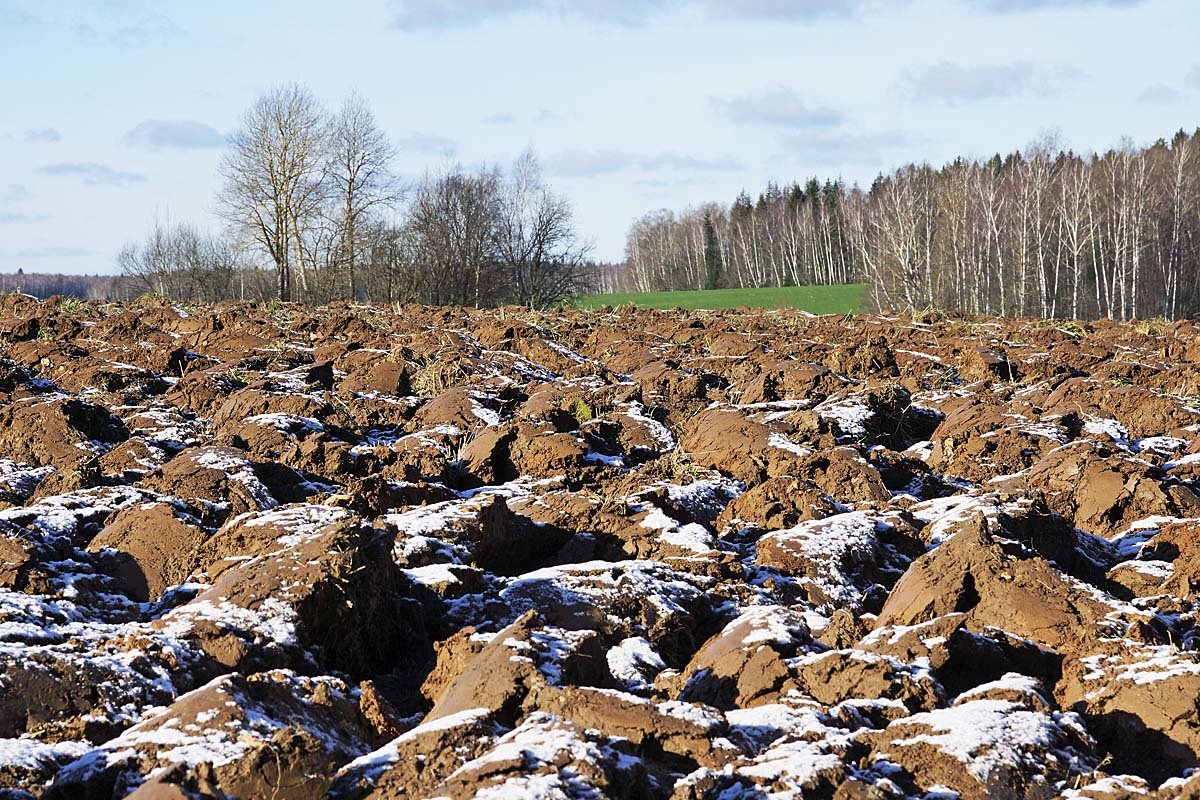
(782, 107)
(590, 163)
(955, 84)
(425, 14)
(161, 134)
(21, 218)
(1161, 94)
(427, 143)
(1192, 79)
(42, 135)
(93, 174)
(835, 150)
(1014, 6)
(15, 193)
(500, 119)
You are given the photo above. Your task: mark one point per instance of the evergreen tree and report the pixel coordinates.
(712, 254)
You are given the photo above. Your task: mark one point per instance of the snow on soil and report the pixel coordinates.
(988, 736)
(677, 656)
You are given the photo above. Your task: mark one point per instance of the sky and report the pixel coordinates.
(114, 113)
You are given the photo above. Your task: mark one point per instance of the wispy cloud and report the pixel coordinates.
(670, 183)
(955, 84)
(591, 163)
(56, 251)
(1161, 94)
(842, 150)
(781, 107)
(93, 174)
(43, 135)
(424, 14)
(1192, 79)
(21, 218)
(588, 163)
(686, 163)
(127, 30)
(15, 193)
(160, 134)
(500, 119)
(509, 118)
(786, 10)
(1015, 6)
(13, 16)
(426, 143)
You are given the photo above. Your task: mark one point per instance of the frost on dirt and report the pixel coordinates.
(223, 722)
(271, 624)
(288, 423)
(635, 662)
(781, 442)
(21, 479)
(992, 736)
(1148, 664)
(850, 414)
(547, 747)
(295, 523)
(30, 754)
(768, 625)
(370, 766)
(609, 585)
(74, 514)
(691, 537)
(638, 601)
(835, 547)
(236, 468)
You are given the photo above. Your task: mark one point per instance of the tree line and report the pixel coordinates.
(46, 284)
(1040, 232)
(314, 212)
(791, 236)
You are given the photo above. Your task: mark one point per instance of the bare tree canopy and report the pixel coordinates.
(360, 157)
(315, 195)
(274, 178)
(535, 237)
(181, 262)
(448, 238)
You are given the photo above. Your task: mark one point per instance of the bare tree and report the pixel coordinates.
(535, 238)
(182, 263)
(449, 238)
(360, 157)
(274, 177)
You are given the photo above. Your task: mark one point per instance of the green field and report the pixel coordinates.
(845, 299)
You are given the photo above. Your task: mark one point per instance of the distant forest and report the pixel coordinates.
(1041, 232)
(85, 287)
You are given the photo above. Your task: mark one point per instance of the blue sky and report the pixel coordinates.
(115, 111)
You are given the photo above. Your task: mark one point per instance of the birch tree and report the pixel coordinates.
(361, 180)
(274, 180)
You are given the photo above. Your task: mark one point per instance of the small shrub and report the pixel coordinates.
(154, 299)
(1151, 327)
(73, 306)
(580, 410)
(928, 315)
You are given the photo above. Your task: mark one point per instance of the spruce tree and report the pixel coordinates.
(712, 255)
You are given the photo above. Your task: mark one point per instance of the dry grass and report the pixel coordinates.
(438, 376)
(681, 468)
